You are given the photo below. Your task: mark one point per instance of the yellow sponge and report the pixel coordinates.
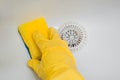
(26, 30)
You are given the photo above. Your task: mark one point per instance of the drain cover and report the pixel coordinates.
(74, 34)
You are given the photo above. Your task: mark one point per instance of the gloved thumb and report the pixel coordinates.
(53, 34)
(37, 67)
(34, 63)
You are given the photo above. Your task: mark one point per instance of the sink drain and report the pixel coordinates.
(74, 34)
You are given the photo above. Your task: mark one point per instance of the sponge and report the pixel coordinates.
(26, 30)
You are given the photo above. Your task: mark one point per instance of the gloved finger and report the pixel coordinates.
(53, 34)
(40, 40)
(36, 66)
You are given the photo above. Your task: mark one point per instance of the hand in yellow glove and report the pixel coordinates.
(57, 62)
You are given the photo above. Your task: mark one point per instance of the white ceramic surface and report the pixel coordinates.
(98, 60)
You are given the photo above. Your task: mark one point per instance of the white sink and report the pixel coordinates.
(99, 59)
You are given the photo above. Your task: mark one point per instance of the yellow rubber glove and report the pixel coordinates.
(57, 62)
